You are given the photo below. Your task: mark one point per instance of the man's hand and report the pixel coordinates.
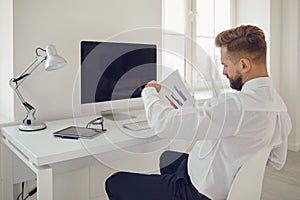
(153, 84)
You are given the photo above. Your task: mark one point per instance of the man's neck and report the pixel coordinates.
(256, 72)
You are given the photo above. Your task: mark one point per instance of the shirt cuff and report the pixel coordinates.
(148, 91)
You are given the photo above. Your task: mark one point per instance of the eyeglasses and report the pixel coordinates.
(96, 122)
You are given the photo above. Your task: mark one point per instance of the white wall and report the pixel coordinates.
(275, 42)
(255, 12)
(290, 66)
(297, 134)
(6, 60)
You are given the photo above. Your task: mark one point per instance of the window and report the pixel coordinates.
(192, 21)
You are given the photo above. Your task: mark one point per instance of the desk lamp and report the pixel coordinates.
(53, 62)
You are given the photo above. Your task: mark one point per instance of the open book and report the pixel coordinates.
(174, 91)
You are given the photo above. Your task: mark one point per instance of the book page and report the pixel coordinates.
(174, 92)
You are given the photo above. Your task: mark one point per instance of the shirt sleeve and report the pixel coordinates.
(217, 118)
(278, 154)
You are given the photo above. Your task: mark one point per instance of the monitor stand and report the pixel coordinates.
(116, 115)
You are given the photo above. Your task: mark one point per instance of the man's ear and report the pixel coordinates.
(245, 65)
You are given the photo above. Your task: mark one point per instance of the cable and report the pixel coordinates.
(32, 192)
(19, 196)
(22, 192)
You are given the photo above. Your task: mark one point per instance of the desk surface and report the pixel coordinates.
(42, 148)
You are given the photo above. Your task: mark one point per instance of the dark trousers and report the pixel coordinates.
(172, 184)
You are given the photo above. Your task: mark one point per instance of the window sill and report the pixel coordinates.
(204, 95)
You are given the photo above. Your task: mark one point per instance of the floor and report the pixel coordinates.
(283, 184)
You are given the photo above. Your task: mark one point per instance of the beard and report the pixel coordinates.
(236, 83)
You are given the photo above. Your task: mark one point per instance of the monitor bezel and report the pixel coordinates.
(112, 106)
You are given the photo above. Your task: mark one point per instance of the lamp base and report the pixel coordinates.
(34, 126)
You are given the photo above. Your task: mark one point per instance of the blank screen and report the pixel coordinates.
(112, 71)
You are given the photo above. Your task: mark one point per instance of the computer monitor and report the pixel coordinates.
(115, 71)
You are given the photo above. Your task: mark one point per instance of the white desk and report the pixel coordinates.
(38, 154)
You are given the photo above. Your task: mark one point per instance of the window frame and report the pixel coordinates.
(190, 32)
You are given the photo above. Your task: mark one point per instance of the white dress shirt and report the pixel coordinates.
(228, 129)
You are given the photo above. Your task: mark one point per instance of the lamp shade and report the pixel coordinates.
(54, 61)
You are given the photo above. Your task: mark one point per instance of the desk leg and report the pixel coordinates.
(7, 172)
(45, 184)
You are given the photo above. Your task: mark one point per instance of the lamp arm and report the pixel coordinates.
(16, 82)
(27, 106)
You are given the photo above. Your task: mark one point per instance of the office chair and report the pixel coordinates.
(248, 181)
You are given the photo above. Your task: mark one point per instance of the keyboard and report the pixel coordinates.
(137, 126)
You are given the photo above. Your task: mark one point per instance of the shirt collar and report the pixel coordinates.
(256, 83)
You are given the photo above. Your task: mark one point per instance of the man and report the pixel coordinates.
(229, 128)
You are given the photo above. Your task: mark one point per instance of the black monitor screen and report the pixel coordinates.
(112, 71)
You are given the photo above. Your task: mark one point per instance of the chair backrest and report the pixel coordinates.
(248, 181)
